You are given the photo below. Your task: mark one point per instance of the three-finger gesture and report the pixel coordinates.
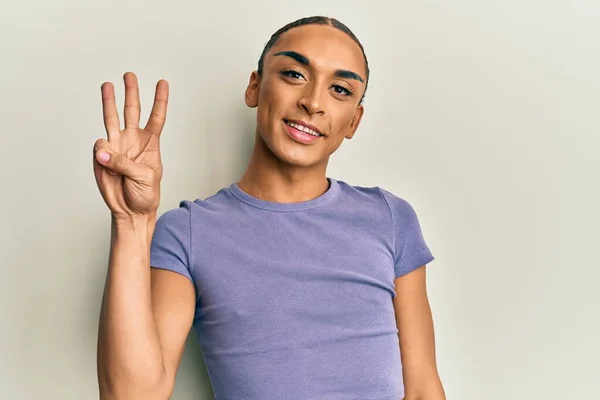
(127, 165)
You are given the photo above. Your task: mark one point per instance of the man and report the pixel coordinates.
(297, 285)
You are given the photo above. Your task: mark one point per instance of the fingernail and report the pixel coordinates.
(103, 156)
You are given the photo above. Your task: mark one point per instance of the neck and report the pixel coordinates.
(268, 178)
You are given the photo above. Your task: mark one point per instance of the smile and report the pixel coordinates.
(304, 129)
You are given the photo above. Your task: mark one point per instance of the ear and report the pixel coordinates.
(252, 90)
(358, 114)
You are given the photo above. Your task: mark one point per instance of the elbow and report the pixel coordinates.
(428, 390)
(134, 392)
(433, 394)
(430, 396)
(123, 386)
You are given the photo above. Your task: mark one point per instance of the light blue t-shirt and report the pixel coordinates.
(295, 301)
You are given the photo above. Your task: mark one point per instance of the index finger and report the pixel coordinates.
(109, 110)
(158, 115)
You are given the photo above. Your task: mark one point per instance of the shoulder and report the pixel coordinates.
(400, 208)
(362, 194)
(188, 209)
(177, 215)
(397, 206)
(173, 227)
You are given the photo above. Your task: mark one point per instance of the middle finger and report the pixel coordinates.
(132, 101)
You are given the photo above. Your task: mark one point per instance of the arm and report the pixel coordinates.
(145, 315)
(417, 341)
(145, 318)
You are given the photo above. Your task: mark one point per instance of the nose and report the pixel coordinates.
(311, 100)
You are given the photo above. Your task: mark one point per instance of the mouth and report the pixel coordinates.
(304, 128)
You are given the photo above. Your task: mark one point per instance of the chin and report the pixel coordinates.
(291, 153)
(300, 162)
(295, 156)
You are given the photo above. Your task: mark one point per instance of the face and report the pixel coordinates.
(308, 97)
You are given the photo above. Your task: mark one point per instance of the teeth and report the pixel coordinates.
(304, 129)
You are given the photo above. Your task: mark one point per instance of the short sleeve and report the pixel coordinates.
(411, 250)
(171, 242)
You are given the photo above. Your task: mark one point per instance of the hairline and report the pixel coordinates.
(317, 20)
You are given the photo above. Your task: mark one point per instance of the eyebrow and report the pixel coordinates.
(342, 73)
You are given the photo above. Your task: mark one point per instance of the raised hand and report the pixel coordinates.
(128, 166)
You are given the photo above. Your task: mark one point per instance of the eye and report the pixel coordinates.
(342, 90)
(292, 74)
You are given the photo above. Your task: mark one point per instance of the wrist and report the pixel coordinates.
(137, 223)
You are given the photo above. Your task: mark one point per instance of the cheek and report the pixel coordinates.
(272, 93)
(342, 120)
(269, 103)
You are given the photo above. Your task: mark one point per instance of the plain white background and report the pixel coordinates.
(483, 115)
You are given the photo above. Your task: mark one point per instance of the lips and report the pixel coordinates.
(301, 133)
(303, 127)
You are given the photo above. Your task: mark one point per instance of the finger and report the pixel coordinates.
(132, 100)
(158, 116)
(122, 165)
(104, 182)
(109, 110)
(101, 144)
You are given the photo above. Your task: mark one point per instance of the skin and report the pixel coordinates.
(281, 169)
(314, 74)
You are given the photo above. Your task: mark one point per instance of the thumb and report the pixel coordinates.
(102, 156)
(120, 164)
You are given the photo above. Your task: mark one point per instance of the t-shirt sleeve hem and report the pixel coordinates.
(170, 266)
(413, 264)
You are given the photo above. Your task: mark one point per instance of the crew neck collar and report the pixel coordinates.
(275, 206)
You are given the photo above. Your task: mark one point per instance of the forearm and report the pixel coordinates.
(428, 387)
(417, 339)
(130, 359)
(436, 394)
